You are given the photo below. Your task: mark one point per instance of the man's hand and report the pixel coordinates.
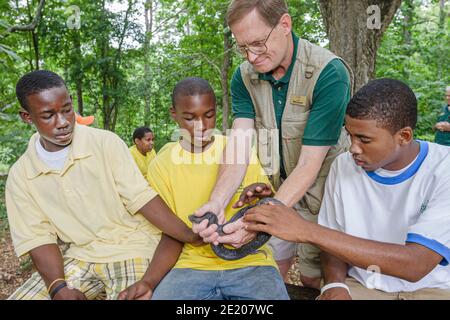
(236, 234)
(443, 126)
(141, 290)
(335, 294)
(253, 192)
(278, 220)
(209, 234)
(67, 293)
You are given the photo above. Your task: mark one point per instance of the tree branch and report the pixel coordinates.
(33, 24)
(165, 21)
(123, 33)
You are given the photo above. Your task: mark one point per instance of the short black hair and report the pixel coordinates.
(390, 102)
(140, 132)
(36, 82)
(191, 87)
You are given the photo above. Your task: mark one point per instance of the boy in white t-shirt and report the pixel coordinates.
(384, 224)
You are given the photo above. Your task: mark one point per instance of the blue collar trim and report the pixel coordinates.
(411, 171)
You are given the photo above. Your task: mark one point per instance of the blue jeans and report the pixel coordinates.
(251, 283)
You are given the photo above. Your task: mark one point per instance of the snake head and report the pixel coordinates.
(210, 216)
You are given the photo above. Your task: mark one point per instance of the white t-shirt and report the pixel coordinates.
(412, 206)
(54, 160)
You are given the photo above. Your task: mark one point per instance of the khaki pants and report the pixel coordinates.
(360, 292)
(309, 255)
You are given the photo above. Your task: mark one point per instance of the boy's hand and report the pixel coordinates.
(209, 234)
(67, 293)
(253, 192)
(236, 234)
(278, 220)
(141, 290)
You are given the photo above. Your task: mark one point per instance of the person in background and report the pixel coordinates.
(142, 150)
(442, 127)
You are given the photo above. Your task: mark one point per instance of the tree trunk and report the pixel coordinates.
(442, 13)
(78, 70)
(147, 76)
(30, 58)
(355, 35)
(104, 70)
(226, 66)
(110, 73)
(442, 16)
(408, 20)
(34, 21)
(35, 38)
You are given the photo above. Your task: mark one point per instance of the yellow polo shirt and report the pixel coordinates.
(141, 160)
(91, 203)
(185, 181)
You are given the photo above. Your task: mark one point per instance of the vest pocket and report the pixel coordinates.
(292, 135)
(267, 147)
(293, 127)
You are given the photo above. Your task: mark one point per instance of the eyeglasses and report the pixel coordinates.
(258, 47)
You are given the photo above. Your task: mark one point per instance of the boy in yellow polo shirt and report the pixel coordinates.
(184, 174)
(142, 150)
(79, 184)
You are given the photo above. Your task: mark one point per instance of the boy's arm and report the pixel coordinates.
(286, 224)
(159, 214)
(165, 257)
(49, 263)
(137, 196)
(231, 173)
(334, 271)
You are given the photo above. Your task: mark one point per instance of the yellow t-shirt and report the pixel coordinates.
(92, 203)
(185, 181)
(141, 160)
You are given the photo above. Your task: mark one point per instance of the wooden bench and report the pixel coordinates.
(301, 293)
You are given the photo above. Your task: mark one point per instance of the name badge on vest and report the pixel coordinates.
(299, 101)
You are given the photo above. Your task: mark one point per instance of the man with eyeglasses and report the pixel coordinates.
(295, 94)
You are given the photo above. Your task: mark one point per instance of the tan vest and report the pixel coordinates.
(311, 60)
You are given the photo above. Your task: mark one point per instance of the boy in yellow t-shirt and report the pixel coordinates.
(184, 174)
(142, 150)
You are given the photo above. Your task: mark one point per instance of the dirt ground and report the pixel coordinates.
(14, 272)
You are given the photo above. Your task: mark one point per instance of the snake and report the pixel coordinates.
(249, 248)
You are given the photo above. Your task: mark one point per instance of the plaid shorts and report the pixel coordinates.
(95, 280)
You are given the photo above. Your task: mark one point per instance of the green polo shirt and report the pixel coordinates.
(330, 98)
(443, 137)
